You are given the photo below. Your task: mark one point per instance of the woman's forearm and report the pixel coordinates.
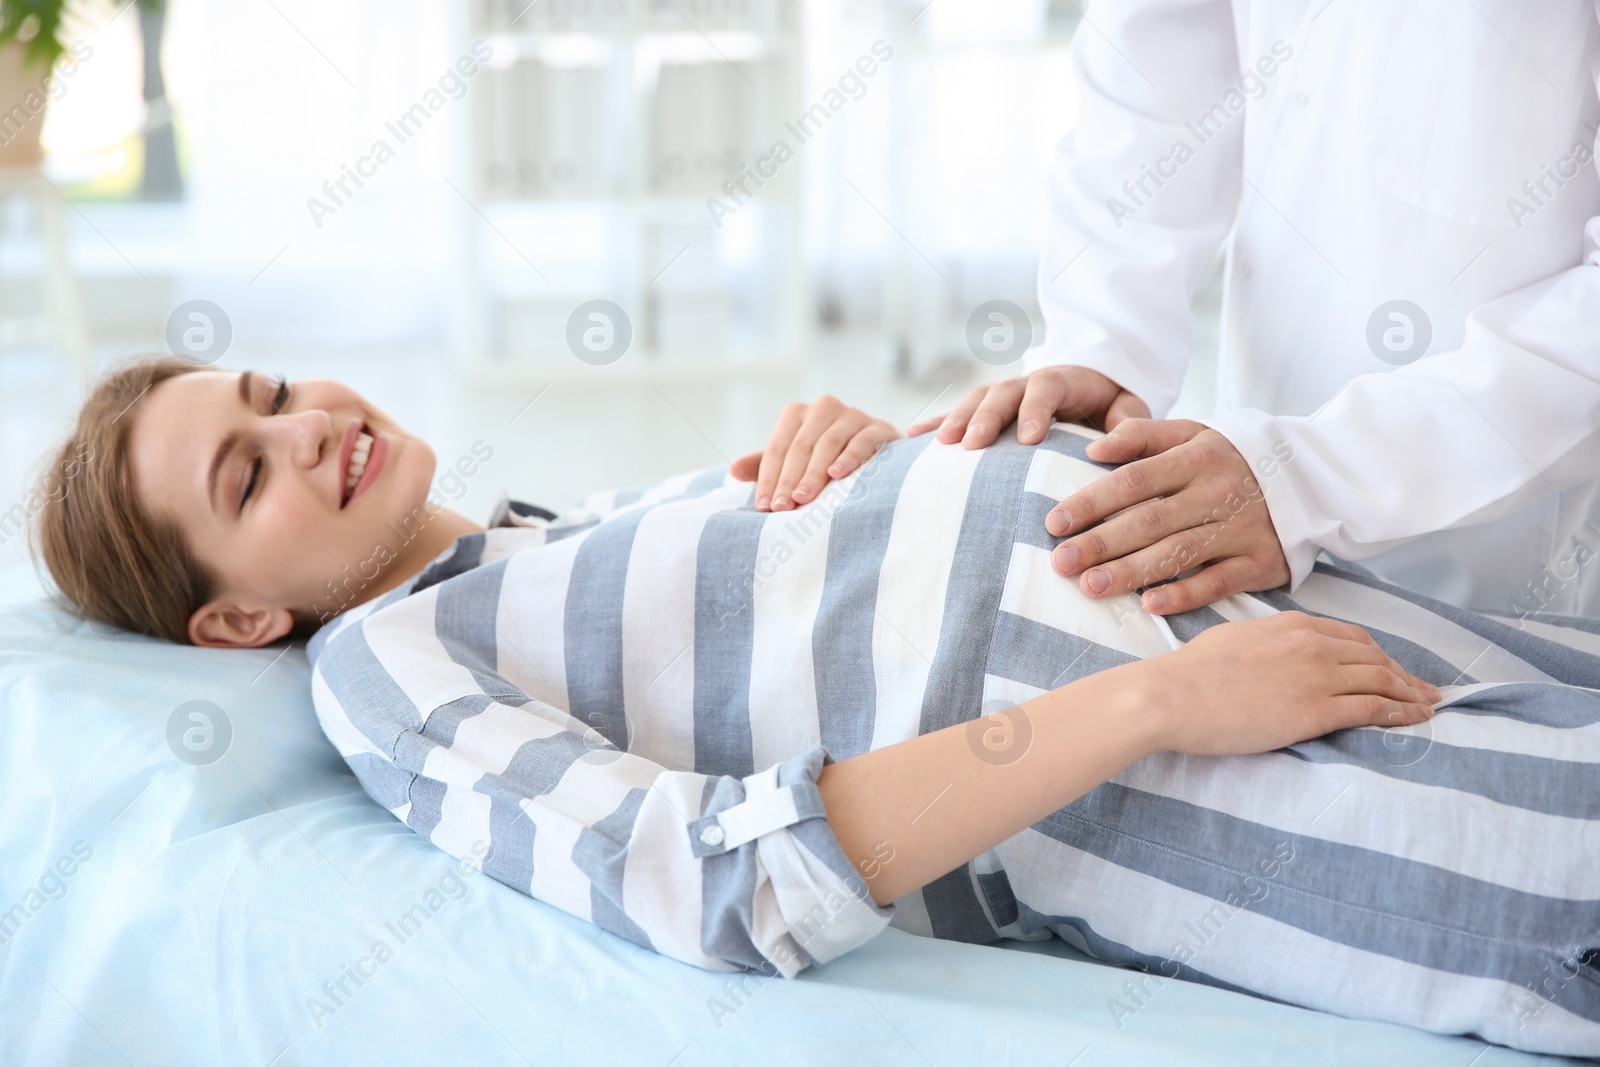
(935, 801)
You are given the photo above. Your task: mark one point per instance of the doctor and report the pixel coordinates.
(1410, 352)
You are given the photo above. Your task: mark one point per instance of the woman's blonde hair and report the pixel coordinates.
(109, 556)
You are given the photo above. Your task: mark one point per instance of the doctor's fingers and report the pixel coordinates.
(1123, 407)
(1130, 484)
(982, 414)
(953, 423)
(1216, 581)
(1222, 577)
(1139, 438)
(1135, 558)
(1170, 447)
(1178, 524)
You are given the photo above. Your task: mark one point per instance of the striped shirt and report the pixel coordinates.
(623, 712)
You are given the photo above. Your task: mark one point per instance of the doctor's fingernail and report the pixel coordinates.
(1067, 557)
(1097, 580)
(1030, 428)
(1155, 600)
(1058, 522)
(803, 490)
(762, 502)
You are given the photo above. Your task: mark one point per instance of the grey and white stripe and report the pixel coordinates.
(631, 705)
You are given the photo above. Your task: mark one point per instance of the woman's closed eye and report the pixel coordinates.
(280, 400)
(254, 480)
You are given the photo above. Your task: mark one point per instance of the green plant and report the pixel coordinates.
(38, 24)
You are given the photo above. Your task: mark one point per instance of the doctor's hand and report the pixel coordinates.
(1071, 394)
(1191, 498)
(811, 445)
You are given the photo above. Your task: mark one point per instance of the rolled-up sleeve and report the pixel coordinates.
(808, 903)
(720, 871)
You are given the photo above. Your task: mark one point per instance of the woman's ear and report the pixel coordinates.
(228, 624)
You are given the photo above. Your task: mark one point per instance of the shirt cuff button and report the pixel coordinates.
(712, 834)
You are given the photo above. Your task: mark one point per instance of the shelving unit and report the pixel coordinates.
(599, 130)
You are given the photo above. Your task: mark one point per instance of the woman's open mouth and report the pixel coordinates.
(363, 457)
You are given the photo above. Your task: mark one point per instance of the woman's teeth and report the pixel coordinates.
(358, 460)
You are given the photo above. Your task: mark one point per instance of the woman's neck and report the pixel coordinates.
(406, 552)
(434, 537)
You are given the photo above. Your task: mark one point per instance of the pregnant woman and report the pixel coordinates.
(751, 735)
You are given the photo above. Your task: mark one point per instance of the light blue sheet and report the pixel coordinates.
(217, 900)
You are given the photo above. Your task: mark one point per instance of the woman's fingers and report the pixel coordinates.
(1354, 644)
(1378, 680)
(811, 445)
(818, 417)
(1349, 631)
(829, 447)
(777, 450)
(1346, 643)
(1369, 710)
(746, 468)
(1338, 651)
(1259, 684)
(863, 446)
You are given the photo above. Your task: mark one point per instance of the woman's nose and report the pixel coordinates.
(306, 435)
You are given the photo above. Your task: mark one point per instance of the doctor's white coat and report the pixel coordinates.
(1411, 314)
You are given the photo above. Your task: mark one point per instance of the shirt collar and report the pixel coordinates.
(465, 553)
(508, 512)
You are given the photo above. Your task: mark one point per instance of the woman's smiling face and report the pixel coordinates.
(256, 474)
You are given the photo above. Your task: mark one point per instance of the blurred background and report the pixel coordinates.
(770, 199)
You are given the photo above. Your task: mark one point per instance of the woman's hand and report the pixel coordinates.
(1261, 684)
(811, 444)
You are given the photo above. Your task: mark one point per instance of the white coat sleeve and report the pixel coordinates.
(1134, 222)
(1455, 439)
